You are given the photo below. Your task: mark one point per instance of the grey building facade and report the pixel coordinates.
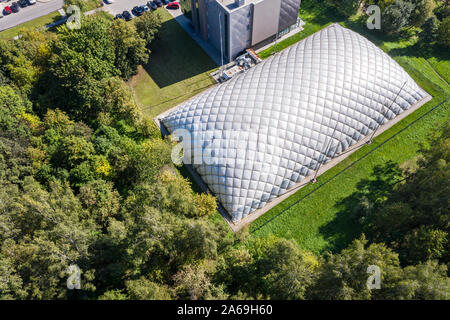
(232, 26)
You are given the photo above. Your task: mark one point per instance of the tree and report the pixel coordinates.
(194, 283)
(143, 289)
(343, 276)
(426, 281)
(81, 60)
(346, 7)
(100, 199)
(10, 282)
(15, 133)
(173, 193)
(148, 26)
(286, 271)
(115, 294)
(383, 4)
(129, 47)
(43, 234)
(423, 10)
(442, 11)
(119, 104)
(413, 219)
(397, 16)
(443, 36)
(429, 30)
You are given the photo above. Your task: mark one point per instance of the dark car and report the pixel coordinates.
(15, 7)
(7, 10)
(152, 5)
(119, 16)
(23, 3)
(173, 5)
(166, 1)
(159, 3)
(127, 15)
(137, 11)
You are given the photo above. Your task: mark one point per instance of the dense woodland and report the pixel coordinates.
(86, 179)
(429, 18)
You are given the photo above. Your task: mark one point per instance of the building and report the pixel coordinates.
(232, 26)
(269, 130)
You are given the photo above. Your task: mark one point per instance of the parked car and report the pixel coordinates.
(127, 15)
(23, 3)
(31, 2)
(137, 11)
(173, 5)
(7, 10)
(158, 3)
(15, 7)
(152, 5)
(166, 1)
(145, 8)
(119, 16)
(108, 1)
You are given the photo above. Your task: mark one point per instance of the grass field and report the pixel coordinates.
(315, 216)
(177, 70)
(33, 24)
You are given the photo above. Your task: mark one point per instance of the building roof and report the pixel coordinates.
(269, 128)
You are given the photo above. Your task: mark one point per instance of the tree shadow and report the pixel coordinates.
(426, 51)
(175, 56)
(353, 210)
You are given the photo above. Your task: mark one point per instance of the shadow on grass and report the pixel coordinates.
(426, 51)
(354, 209)
(176, 56)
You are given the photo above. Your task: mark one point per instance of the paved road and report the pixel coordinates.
(121, 5)
(44, 7)
(28, 13)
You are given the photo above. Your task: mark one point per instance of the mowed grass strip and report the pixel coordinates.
(316, 219)
(33, 25)
(177, 70)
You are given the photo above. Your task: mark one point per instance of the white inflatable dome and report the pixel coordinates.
(268, 129)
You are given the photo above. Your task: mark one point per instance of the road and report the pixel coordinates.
(121, 5)
(44, 7)
(26, 14)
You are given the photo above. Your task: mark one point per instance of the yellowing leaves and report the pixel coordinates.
(102, 167)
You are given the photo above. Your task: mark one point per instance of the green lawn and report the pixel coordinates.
(92, 4)
(314, 216)
(177, 70)
(33, 24)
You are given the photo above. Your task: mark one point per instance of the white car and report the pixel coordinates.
(109, 1)
(31, 2)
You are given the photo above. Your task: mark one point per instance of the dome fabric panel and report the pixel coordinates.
(270, 127)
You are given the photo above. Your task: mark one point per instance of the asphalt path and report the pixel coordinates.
(121, 5)
(29, 13)
(44, 7)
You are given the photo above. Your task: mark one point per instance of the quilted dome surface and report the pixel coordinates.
(269, 128)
